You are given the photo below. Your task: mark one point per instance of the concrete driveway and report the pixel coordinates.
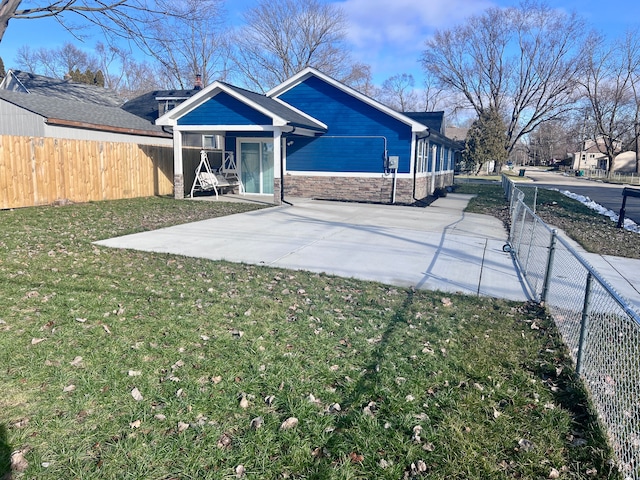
(437, 248)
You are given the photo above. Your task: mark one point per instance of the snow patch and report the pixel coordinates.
(628, 224)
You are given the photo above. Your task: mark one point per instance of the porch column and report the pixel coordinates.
(178, 171)
(434, 153)
(278, 166)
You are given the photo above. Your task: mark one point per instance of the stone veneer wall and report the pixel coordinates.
(359, 189)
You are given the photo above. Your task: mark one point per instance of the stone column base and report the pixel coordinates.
(178, 187)
(276, 192)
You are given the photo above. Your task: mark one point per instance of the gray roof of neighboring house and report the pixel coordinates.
(457, 133)
(26, 82)
(74, 113)
(146, 105)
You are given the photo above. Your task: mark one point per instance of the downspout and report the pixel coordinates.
(395, 178)
(415, 173)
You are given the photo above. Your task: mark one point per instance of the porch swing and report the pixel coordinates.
(207, 179)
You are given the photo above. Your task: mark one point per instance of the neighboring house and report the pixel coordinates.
(66, 89)
(457, 133)
(591, 156)
(313, 136)
(35, 115)
(152, 105)
(38, 106)
(57, 148)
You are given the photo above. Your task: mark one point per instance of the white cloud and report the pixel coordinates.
(402, 22)
(390, 34)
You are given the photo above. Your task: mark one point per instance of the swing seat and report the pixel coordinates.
(206, 179)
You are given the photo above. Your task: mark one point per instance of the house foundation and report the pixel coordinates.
(362, 189)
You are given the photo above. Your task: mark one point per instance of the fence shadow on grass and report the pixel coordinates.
(569, 392)
(367, 386)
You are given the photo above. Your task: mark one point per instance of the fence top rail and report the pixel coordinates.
(605, 283)
(631, 192)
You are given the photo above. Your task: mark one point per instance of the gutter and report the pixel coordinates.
(106, 128)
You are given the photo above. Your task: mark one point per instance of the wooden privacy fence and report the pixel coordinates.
(40, 171)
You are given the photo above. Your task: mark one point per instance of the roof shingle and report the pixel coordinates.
(66, 111)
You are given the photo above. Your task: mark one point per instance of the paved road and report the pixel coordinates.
(606, 194)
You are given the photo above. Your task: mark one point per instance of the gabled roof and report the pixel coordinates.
(457, 133)
(25, 82)
(433, 120)
(308, 72)
(280, 112)
(74, 113)
(146, 105)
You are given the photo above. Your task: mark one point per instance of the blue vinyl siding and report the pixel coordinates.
(223, 109)
(346, 117)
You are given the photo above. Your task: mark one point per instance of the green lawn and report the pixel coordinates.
(122, 364)
(596, 233)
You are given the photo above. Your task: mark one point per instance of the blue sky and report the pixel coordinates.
(386, 34)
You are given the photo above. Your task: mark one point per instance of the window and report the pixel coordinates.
(212, 142)
(419, 155)
(166, 105)
(422, 153)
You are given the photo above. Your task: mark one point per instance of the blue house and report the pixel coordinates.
(313, 136)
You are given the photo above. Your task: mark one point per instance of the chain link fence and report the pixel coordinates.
(601, 330)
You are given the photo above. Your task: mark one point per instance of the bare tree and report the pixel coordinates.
(279, 39)
(435, 97)
(125, 75)
(398, 93)
(549, 142)
(360, 79)
(609, 88)
(55, 62)
(520, 61)
(134, 20)
(187, 45)
(122, 72)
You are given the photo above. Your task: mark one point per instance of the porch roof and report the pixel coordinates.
(278, 112)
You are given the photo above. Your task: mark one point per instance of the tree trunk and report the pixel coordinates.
(637, 135)
(7, 10)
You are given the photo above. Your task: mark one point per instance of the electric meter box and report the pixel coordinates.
(393, 162)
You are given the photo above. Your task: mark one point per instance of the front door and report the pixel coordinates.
(256, 166)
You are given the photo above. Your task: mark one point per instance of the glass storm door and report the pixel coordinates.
(256, 164)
